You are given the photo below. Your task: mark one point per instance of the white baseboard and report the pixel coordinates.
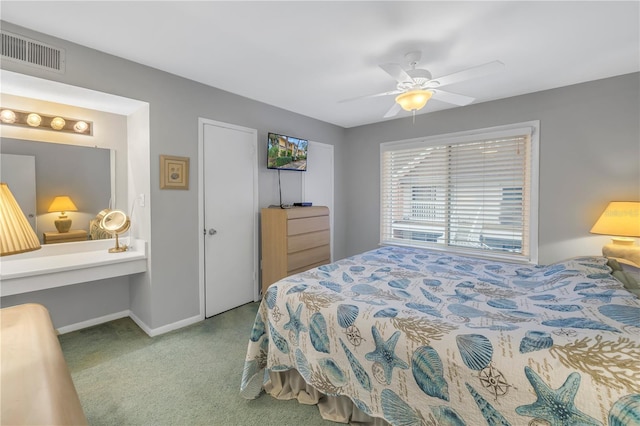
(93, 321)
(152, 332)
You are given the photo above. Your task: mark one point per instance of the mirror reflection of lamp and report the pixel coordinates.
(17, 235)
(62, 204)
(621, 219)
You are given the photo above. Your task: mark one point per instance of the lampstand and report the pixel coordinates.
(620, 219)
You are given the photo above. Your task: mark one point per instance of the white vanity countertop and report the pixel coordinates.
(58, 265)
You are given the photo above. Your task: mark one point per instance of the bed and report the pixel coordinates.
(419, 337)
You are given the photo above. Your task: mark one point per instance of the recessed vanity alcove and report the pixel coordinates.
(82, 283)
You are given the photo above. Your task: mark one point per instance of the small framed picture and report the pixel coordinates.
(174, 172)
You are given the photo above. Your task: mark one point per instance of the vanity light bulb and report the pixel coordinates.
(80, 127)
(58, 123)
(8, 116)
(34, 120)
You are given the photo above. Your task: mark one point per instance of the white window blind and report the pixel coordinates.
(470, 192)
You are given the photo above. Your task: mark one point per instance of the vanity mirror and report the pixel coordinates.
(40, 171)
(115, 222)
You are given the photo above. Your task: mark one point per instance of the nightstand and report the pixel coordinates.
(72, 235)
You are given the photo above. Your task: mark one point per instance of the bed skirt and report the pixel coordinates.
(289, 384)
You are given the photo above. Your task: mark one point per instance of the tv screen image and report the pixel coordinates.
(287, 153)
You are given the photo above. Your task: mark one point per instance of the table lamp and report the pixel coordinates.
(62, 204)
(16, 234)
(621, 219)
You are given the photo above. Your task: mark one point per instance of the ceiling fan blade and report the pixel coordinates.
(397, 72)
(376, 95)
(469, 73)
(393, 111)
(452, 98)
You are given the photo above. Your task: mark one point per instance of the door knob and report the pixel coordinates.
(212, 231)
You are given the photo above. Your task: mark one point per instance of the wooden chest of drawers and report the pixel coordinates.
(293, 240)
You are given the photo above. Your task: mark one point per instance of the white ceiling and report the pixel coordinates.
(308, 56)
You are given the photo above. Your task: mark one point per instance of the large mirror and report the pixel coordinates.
(37, 172)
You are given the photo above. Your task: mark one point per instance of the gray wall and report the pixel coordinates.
(589, 155)
(112, 295)
(171, 292)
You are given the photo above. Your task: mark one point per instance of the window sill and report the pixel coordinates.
(60, 265)
(460, 251)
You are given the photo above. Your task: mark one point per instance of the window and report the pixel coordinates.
(473, 192)
(424, 202)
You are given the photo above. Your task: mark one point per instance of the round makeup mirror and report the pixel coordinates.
(116, 222)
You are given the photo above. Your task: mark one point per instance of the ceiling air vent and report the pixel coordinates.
(32, 52)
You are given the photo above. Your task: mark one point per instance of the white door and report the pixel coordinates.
(19, 173)
(318, 179)
(230, 193)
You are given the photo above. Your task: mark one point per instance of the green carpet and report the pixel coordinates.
(187, 377)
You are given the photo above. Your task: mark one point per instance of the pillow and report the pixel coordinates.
(627, 278)
(591, 266)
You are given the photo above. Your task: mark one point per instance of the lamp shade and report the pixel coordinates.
(16, 234)
(620, 218)
(414, 99)
(62, 203)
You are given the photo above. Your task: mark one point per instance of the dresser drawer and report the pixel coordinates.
(307, 224)
(308, 257)
(307, 241)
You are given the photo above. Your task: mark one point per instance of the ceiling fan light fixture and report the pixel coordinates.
(414, 100)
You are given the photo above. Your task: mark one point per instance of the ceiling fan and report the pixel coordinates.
(416, 86)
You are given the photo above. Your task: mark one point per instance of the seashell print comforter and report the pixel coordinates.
(421, 337)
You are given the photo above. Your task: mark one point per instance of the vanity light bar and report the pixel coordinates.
(13, 117)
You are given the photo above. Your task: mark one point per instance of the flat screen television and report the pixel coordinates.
(287, 153)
